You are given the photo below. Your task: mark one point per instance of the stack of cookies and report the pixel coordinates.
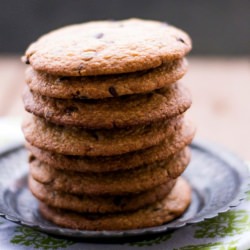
(106, 133)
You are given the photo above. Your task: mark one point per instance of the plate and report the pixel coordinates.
(218, 179)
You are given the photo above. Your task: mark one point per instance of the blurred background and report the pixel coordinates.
(219, 72)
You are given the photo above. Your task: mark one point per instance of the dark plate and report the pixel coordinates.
(218, 179)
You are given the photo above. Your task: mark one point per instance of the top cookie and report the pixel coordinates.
(107, 47)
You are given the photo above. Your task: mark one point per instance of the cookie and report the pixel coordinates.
(110, 113)
(98, 204)
(112, 183)
(171, 207)
(77, 141)
(107, 47)
(105, 86)
(182, 137)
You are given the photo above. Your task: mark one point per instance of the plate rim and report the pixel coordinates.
(210, 147)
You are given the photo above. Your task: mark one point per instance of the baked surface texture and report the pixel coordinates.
(78, 141)
(107, 47)
(154, 215)
(112, 183)
(173, 144)
(98, 204)
(105, 124)
(98, 87)
(111, 113)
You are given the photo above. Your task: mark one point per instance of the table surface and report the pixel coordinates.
(220, 88)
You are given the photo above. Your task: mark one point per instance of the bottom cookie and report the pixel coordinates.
(156, 214)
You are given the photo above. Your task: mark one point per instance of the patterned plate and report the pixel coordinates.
(218, 179)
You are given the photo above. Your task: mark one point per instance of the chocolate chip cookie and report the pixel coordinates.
(171, 207)
(111, 113)
(112, 183)
(78, 141)
(107, 47)
(98, 87)
(98, 204)
(174, 143)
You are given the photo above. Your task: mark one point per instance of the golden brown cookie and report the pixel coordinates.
(156, 214)
(78, 141)
(182, 137)
(112, 183)
(107, 47)
(99, 87)
(110, 113)
(98, 204)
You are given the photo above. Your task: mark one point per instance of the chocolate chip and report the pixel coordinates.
(27, 61)
(70, 110)
(181, 40)
(31, 158)
(112, 91)
(99, 35)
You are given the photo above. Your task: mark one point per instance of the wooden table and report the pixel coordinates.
(220, 89)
